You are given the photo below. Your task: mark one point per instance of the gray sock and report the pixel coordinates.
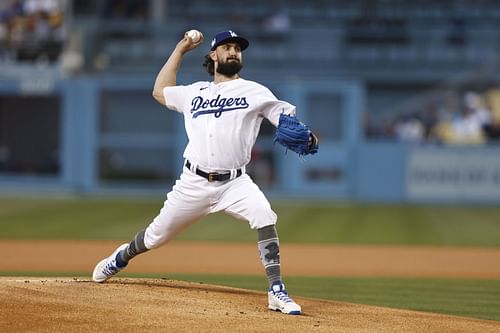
(135, 247)
(270, 253)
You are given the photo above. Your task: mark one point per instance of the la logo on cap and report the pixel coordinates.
(228, 36)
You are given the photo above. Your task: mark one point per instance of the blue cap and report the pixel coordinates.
(229, 36)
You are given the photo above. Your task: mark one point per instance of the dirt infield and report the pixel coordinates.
(146, 305)
(140, 305)
(207, 257)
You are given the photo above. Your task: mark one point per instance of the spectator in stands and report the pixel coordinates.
(467, 125)
(451, 119)
(12, 15)
(4, 34)
(40, 6)
(429, 117)
(492, 99)
(476, 106)
(409, 129)
(32, 28)
(492, 130)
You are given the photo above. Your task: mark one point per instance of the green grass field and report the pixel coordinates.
(327, 223)
(473, 298)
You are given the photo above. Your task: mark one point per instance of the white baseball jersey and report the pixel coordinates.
(223, 120)
(222, 123)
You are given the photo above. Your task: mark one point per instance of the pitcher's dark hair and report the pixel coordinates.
(209, 65)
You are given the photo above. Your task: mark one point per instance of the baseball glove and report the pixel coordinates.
(295, 136)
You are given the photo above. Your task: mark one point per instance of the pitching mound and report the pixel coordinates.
(155, 305)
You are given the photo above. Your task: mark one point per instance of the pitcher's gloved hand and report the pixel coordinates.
(296, 136)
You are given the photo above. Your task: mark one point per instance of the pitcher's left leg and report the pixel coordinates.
(244, 200)
(269, 250)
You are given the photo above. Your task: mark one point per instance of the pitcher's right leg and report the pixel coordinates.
(185, 204)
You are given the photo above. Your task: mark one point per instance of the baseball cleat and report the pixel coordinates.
(107, 267)
(280, 301)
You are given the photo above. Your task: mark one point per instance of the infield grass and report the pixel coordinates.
(327, 223)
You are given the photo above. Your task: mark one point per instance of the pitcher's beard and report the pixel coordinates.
(230, 68)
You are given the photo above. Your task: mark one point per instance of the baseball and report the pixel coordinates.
(195, 35)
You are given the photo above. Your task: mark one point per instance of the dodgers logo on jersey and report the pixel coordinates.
(218, 105)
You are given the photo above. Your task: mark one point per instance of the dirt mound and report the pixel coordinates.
(157, 305)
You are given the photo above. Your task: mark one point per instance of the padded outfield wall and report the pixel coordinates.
(107, 135)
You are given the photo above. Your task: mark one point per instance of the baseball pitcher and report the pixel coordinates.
(222, 119)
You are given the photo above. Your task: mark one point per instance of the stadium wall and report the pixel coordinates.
(113, 138)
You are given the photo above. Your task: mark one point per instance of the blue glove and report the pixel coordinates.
(295, 136)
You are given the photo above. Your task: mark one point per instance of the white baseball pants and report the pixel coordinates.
(193, 197)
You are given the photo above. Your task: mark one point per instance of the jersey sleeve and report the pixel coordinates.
(174, 97)
(273, 107)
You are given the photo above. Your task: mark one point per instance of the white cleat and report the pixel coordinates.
(280, 301)
(106, 268)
